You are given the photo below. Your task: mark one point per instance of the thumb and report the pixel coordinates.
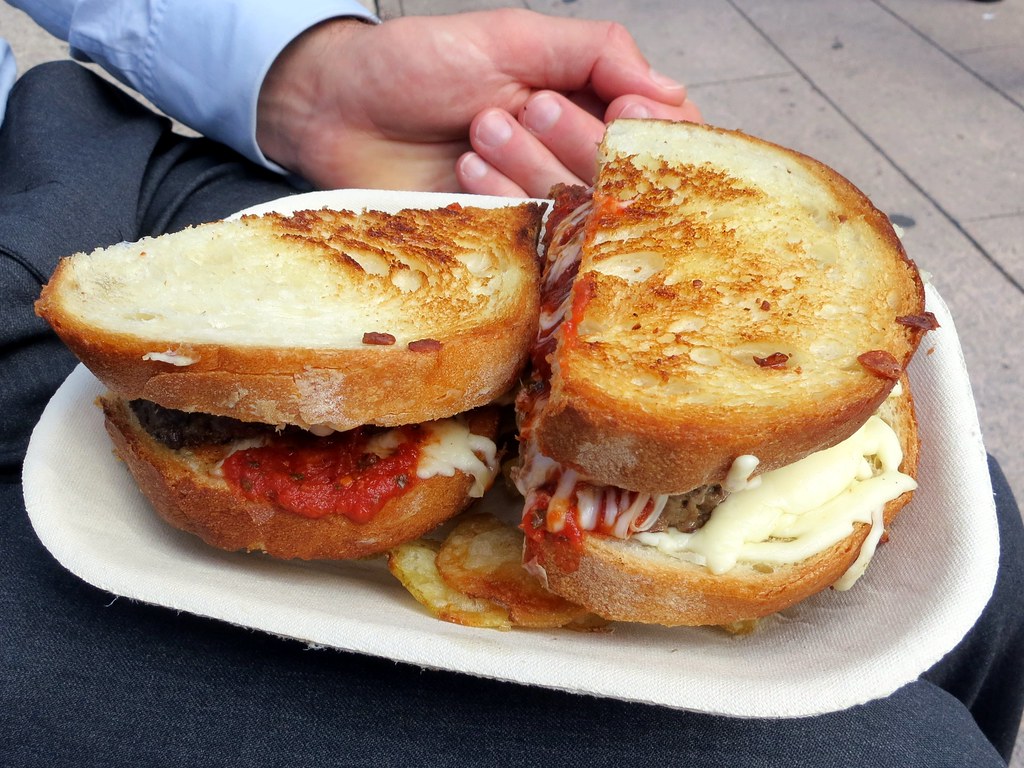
(620, 69)
(572, 54)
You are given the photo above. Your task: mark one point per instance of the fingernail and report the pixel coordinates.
(635, 111)
(541, 113)
(493, 130)
(473, 167)
(664, 81)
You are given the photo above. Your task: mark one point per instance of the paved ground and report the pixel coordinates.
(919, 102)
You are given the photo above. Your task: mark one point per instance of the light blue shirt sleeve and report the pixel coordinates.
(7, 70)
(200, 61)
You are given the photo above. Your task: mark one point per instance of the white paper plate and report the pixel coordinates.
(923, 591)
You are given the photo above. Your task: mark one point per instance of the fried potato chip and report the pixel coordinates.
(482, 558)
(413, 564)
(741, 627)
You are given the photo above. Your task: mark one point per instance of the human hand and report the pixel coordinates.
(554, 140)
(411, 103)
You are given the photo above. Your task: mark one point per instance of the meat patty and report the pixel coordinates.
(689, 511)
(180, 429)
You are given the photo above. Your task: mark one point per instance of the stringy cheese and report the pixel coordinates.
(561, 258)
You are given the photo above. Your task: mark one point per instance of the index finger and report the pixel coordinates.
(571, 133)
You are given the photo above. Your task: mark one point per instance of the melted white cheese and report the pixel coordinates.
(243, 444)
(867, 551)
(801, 509)
(171, 357)
(739, 476)
(450, 447)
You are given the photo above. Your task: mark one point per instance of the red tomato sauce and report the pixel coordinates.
(582, 292)
(535, 528)
(319, 476)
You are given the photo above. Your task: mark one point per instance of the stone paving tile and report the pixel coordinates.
(920, 107)
(1001, 67)
(686, 42)
(387, 9)
(1003, 237)
(958, 26)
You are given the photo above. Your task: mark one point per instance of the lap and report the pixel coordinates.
(83, 165)
(116, 682)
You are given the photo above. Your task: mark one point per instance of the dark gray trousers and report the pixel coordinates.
(86, 680)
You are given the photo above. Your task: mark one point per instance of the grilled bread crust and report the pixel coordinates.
(263, 318)
(180, 486)
(623, 580)
(707, 252)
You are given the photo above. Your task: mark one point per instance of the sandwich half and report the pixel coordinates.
(316, 385)
(718, 422)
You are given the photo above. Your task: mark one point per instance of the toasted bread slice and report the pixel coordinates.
(318, 318)
(187, 491)
(626, 580)
(733, 297)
